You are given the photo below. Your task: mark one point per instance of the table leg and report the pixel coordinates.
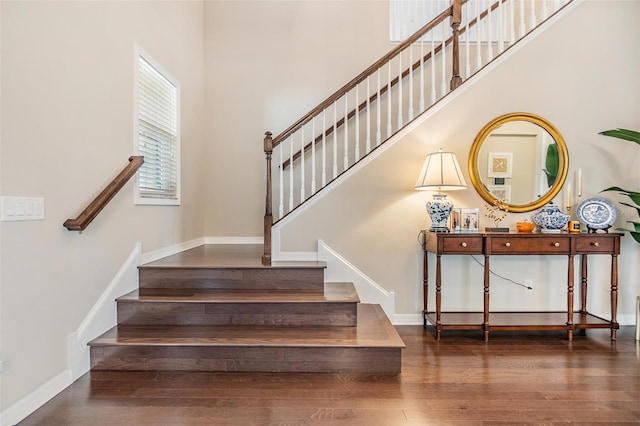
(425, 287)
(614, 295)
(570, 283)
(485, 324)
(583, 283)
(438, 298)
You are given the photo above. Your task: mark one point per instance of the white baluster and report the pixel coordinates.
(421, 106)
(433, 67)
(443, 59)
(357, 132)
(291, 172)
(335, 139)
(302, 180)
(512, 22)
(545, 12)
(313, 155)
(523, 28)
(379, 112)
(346, 132)
(400, 106)
(467, 37)
(368, 138)
(324, 148)
(479, 35)
(389, 128)
(500, 27)
(489, 20)
(410, 94)
(534, 20)
(281, 179)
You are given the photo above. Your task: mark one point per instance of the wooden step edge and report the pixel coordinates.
(274, 265)
(333, 293)
(262, 336)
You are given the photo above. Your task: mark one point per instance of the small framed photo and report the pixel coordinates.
(501, 192)
(455, 223)
(468, 220)
(500, 165)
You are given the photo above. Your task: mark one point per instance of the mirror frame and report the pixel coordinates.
(474, 174)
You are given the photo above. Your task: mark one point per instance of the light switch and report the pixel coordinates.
(22, 208)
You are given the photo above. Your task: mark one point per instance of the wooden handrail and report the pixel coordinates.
(362, 76)
(91, 211)
(456, 80)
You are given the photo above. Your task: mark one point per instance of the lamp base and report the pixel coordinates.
(439, 210)
(438, 229)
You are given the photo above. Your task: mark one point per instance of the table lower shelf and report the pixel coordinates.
(517, 321)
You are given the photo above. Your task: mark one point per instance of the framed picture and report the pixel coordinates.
(465, 219)
(500, 165)
(501, 192)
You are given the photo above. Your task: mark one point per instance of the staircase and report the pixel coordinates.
(217, 308)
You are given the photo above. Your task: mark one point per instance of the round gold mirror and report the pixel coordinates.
(518, 161)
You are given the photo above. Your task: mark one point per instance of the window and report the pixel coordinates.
(157, 133)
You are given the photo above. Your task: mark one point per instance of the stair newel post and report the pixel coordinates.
(268, 215)
(456, 19)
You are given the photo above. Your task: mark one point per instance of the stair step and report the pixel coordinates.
(230, 267)
(373, 346)
(337, 306)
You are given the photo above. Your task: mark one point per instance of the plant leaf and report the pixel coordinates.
(625, 134)
(632, 206)
(635, 196)
(635, 235)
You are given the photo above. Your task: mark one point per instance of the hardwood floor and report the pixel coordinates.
(516, 378)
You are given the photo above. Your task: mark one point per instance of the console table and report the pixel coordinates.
(500, 244)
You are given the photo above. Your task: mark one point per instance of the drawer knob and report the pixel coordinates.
(597, 244)
(556, 244)
(507, 244)
(464, 244)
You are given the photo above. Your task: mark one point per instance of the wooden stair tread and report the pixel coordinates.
(373, 330)
(225, 256)
(333, 292)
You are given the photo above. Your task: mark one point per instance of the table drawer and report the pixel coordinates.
(594, 244)
(463, 245)
(538, 245)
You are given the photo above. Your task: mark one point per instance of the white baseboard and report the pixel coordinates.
(339, 269)
(408, 319)
(27, 405)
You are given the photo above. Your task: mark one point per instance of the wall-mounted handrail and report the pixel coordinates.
(91, 211)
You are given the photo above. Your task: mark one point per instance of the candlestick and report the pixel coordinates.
(580, 182)
(568, 194)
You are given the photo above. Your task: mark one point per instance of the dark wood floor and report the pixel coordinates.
(515, 378)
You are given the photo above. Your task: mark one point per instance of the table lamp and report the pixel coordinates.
(440, 172)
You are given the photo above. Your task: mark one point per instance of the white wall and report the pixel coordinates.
(582, 75)
(67, 130)
(267, 64)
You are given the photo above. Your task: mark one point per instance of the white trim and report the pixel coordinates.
(408, 319)
(339, 269)
(233, 240)
(170, 250)
(27, 405)
(103, 314)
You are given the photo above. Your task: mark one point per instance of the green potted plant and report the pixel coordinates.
(632, 136)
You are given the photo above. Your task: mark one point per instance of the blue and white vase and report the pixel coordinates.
(550, 219)
(439, 210)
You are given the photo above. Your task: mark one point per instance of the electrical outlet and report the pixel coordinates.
(529, 284)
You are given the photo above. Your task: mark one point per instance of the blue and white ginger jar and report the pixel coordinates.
(550, 218)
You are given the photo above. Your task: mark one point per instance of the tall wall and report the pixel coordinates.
(267, 64)
(581, 75)
(67, 70)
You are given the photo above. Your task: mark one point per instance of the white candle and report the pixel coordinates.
(568, 194)
(580, 182)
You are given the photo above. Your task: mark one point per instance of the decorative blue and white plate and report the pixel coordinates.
(597, 213)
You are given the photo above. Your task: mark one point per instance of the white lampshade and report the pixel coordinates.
(441, 172)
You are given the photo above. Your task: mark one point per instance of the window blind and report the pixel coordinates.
(157, 133)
